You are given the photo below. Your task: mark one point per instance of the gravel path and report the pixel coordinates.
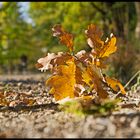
(40, 118)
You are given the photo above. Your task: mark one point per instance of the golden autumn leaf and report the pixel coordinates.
(100, 48)
(115, 85)
(78, 75)
(108, 48)
(65, 37)
(92, 78)
(62, 84)
(87, 78)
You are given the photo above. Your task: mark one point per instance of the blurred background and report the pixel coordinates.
(25, 33)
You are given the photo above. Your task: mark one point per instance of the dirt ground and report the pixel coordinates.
(32, 113)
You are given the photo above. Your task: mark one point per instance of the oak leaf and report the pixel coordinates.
(62, 84)
(108, 48)
(94, 37)
(92, 78)
(65, 37)
(100, 48)
(115, 85)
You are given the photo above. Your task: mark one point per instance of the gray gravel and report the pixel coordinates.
(42, 119)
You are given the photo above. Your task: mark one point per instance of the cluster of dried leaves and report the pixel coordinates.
(80, 75)
(13, 99)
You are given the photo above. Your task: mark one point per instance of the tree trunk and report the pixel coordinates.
(137, 29)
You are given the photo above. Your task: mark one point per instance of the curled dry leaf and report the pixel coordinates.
(52, 60)
(43, 64)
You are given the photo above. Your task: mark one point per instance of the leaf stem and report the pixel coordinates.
(80, 61)
(72, 53)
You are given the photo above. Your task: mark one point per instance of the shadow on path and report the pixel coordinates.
(51, 106)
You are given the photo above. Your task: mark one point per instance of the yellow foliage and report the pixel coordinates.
(62, 84)
(79, 75)
(108, 48)
(115, 85)
(91, 77)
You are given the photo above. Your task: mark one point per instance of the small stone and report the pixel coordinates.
(13, 104)
(19, 84)
(16, 97)
(30, 92)
(111, 129)
(134, 123)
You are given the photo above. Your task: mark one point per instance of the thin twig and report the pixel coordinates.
(131, 79)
